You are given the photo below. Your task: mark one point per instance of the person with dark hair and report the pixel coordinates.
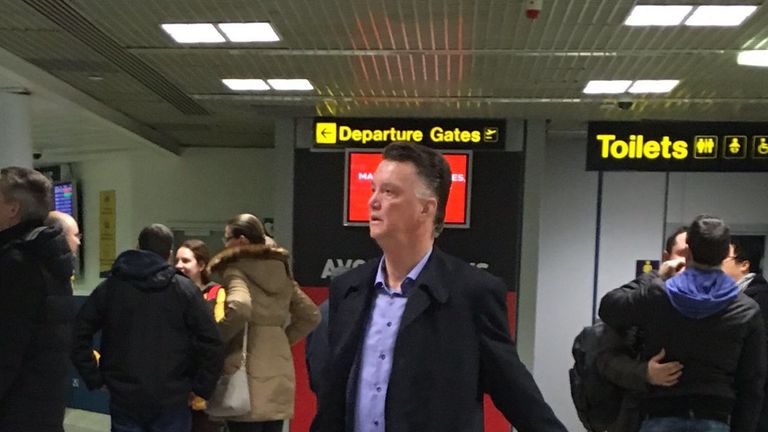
(36, 312)
(417, 336)
(159, 345)
(699, 318)
(192, 259)
(743, 265)
(262, 295)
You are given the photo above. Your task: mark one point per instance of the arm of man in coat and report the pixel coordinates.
(89, 321)
(750, 379)
(18, 313)
(628, 305)
(503, 376)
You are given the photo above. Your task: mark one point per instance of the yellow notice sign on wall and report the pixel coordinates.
(107, 230)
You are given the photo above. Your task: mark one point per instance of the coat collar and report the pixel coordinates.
(257, 251)
(431, 279)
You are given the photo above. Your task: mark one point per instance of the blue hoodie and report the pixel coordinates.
(699, 293)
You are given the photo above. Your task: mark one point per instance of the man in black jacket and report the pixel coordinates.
(743, 265)
(701, 319)
(417, 337)
(36, 310)
(159, 341)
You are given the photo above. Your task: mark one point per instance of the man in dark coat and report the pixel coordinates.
(743, 265)
(160, 345)
(417, 337)
(36, 312)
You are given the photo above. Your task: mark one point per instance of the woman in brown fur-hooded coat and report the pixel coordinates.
(261, 291)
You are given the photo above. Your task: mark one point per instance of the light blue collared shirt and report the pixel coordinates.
(378, 347)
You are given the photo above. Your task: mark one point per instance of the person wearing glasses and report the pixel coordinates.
(261, 294)
(743, 265)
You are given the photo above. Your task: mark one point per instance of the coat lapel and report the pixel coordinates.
(352, 312)
(429, 287)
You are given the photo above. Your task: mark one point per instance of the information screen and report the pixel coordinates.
(359, 174)
(64, 198)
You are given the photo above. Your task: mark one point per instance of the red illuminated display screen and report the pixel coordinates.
(362, 165)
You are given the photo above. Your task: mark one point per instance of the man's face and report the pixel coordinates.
(72, 234)
(736, 270)
(399, 204)
(679, 249)
(9, 211)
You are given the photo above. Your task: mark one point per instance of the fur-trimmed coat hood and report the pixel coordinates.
(261, 293)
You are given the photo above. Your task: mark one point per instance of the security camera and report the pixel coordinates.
(37, 155)
(625, 105)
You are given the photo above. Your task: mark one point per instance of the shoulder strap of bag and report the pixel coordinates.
(245, 345)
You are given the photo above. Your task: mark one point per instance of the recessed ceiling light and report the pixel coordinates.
(290, 84)
(249, 32)
(193, 33)
(607, 86)
(720, 15)
(246, 84)
(753, 58)
(95, 77)
(657, 15)
(653, 86)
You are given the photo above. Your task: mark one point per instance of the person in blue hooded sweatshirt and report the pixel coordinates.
(159, 346)
(700, 318)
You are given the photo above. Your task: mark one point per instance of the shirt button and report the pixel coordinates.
(389, 324)
(378, 389)
(375, 422)
(382, 356)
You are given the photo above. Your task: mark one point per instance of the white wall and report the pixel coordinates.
(201, 187)
(566, 261)
(741, 199)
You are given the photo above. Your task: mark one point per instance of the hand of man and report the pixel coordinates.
(671, 268)
(663, 374)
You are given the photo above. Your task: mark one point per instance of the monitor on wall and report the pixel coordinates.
(65, 198)
(360, 166)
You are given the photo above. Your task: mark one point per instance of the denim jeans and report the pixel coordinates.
(677, 424)
(177, 420)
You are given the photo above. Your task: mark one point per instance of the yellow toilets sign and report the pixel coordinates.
(677, 146)
(438, 133)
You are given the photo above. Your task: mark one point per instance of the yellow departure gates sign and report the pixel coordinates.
(677, 146)
(441, 133)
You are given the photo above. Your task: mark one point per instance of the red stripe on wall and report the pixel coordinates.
(306, 404)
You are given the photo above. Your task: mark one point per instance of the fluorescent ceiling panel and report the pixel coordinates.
(753, 58)
(653, 86)
(193, 33)
(657, 15)
(246, 84)
(724, 16)
(249, 32)
(607, 87)
(290, 84)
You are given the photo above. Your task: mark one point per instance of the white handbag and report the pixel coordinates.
(231, 398)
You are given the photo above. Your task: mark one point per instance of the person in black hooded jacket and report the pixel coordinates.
(160, 345)
(36, 311)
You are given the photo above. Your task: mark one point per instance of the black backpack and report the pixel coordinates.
(597, 400)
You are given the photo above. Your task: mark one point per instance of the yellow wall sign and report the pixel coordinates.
(677, 146)
(441, 133)
(107, 230)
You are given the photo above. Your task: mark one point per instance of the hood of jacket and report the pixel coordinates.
(698, 293)
(145, 270)
(43, 243)
(265, 265)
